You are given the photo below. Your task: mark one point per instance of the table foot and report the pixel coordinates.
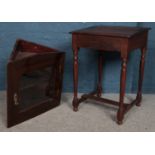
(99, 92)
(138, 104)
(139, 99)
(75, 109)
(75, 104)
(119, 122)
(120, 117)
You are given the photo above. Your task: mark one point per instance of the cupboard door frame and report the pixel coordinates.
(15, 70)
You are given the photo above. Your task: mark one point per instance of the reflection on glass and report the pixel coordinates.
(36, 87)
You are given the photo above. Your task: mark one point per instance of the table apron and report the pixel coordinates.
(98, 42)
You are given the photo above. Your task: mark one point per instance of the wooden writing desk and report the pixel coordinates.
(105, 38)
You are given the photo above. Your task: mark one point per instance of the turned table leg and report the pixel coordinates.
(100, 70)
(141, 74)
(75, 79)
(120, 113)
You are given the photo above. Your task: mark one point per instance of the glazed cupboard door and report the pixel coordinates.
(34, 83)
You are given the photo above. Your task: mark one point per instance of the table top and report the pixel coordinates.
(112, 31)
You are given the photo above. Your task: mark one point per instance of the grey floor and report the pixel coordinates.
(90, 117)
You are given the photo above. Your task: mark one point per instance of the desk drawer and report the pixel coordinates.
(98, 42)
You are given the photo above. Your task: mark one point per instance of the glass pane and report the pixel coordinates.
(36, 87)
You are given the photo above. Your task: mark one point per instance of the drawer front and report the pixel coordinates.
(98, 42)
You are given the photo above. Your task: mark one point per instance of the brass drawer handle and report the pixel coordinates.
(15, 97)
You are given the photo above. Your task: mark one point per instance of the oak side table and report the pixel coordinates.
(110, 38)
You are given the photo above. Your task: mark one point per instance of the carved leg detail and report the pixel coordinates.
(120, 113)
(100, 71)
(75, 76)
(141, 74)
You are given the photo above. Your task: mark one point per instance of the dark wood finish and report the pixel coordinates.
(75, 100)
(141, 74)
(120, 113)
(109, 38)
(100, 72)
(25, 58)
